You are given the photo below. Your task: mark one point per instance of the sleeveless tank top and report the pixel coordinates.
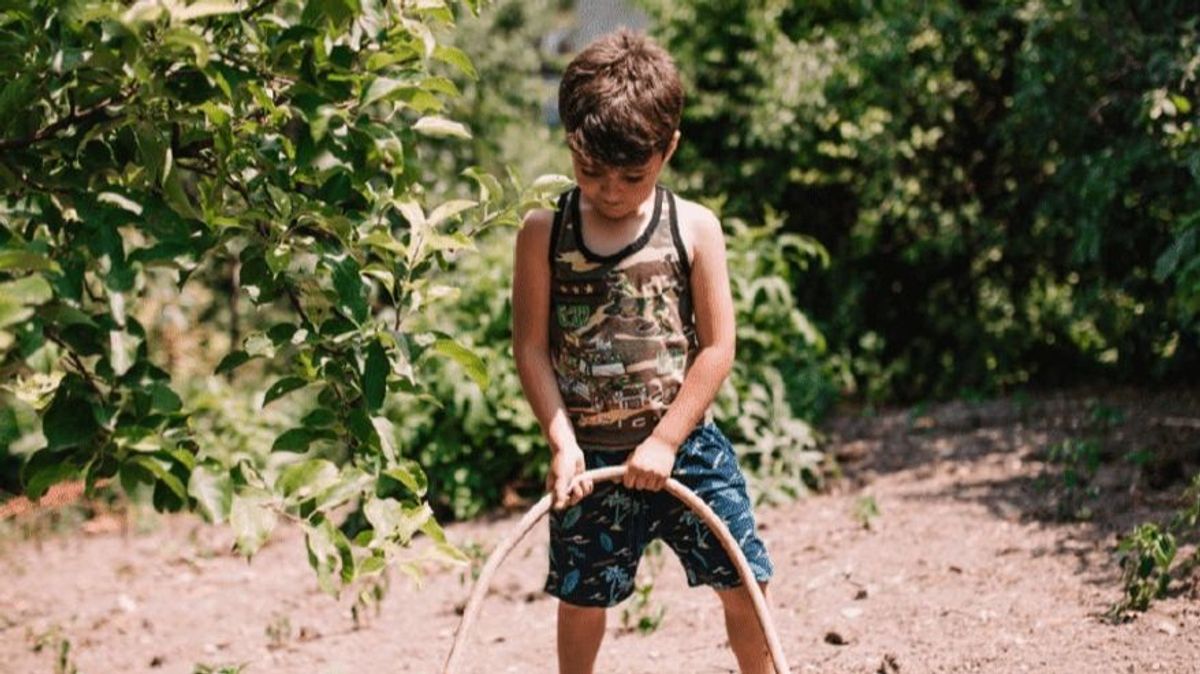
(622, 328)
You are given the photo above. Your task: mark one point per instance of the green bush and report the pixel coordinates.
(275, 154)
(1009, 191)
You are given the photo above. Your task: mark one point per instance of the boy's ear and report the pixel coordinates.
(671, 148)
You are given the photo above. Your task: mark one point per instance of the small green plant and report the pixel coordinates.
(279, 631)
(918, 420)
(1147, 556)
(1072, 464)
(866, 509)
(641, 613)
(1104, 417)
(53, 639)
(476, 555)
(64, 664)
(202, 668)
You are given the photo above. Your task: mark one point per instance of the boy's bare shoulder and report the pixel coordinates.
(698, 226)
(539, 219)
(535, 228)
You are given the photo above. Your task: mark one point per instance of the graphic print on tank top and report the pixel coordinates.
(622, 330)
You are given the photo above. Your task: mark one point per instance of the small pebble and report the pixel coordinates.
(835, 638)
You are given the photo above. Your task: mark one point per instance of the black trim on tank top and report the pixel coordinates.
(631, 248)
(677, 237)
(556, 228)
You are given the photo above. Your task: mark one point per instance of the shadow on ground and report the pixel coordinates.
(1092, 464)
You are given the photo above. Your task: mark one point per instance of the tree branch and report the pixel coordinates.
(76, 117)
(262, 5)
(77, 362)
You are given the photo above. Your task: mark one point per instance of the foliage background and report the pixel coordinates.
(921, 200)
(1009, 191)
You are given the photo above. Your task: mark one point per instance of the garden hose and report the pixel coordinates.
(613, 473)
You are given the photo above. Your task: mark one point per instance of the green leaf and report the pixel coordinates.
(9, 428)
(163, 399)
(473, 364)
(24, 260)
(120, 201)
(177, 198)
(384, 87)
(351, 290)
(374, 379)
(358, 422)
(457, 58)
(188, 39)
(384, 241)
(252, 519)
(352, 482)
(163, 472)
(293, 440)
(232, 361)
(258, 344)
(329, 551)
(372, 565)
(305, 478)
(281, 388)
(335, 13)
(392, 519)
(443, 547)
(449, 242)
(1180, 249)
(123, 349)
(45, 469)
(212, 488)
(64, 315)
(69, 421)
(320, 417)
(440, 127)
(201, 9)
(386, 432)
(27, 290)
(409, 474)
(489, 187)
(551, 184)
(448, 210)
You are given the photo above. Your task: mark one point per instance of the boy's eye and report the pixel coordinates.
(634, 179)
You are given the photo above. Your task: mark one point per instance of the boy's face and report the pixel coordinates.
(616, 192)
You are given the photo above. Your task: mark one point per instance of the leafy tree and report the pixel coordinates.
(1009, 191)
(268, 151)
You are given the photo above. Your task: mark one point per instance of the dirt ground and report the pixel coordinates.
(969, 566)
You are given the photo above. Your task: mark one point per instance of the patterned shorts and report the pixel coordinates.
(595, 545)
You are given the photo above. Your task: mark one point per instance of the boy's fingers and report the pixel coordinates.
(561, 492)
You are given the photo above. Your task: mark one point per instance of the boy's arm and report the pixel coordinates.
(531, 350)
(651, 463)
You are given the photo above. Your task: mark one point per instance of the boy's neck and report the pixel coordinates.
(605, 235)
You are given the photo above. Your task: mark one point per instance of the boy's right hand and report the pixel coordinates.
(565, 464)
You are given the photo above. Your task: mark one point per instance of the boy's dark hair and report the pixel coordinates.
(620, 100)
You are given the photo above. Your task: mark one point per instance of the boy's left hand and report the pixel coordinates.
(649, 466)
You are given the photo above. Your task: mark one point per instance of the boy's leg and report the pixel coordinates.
(580, 631)
(707, 464)
(745, 634)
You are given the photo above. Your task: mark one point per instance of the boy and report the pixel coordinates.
(623, 330)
